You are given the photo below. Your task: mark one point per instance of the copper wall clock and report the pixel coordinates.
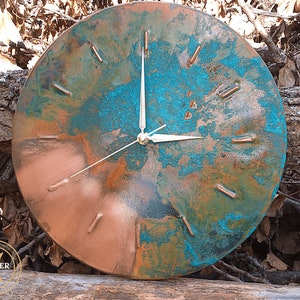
(149, 140)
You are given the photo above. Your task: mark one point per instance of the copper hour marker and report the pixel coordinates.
(62, 89)
(56, 186)
(48, 137)
(96, 52)
(244, 139)
(192, 59)
(138, 234)
(227, 92)
(184, 220)
(146, 41)
(225, 191)
(187, 224)
(95, 222)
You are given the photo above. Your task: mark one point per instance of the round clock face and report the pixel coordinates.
(149, 140)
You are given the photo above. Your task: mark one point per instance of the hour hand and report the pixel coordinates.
(160, 138)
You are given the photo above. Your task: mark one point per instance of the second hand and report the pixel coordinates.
(66, 180)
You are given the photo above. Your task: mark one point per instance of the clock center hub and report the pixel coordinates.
(143, 138)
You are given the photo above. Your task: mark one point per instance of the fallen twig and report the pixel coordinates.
(284, 277)
(252, 260)
(275, 15)
(64, 16)
(225, 275)
(289, 196)
(277, 55)
(242, 272)
(29, 245)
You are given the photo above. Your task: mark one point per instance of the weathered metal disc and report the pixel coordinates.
(162, 209)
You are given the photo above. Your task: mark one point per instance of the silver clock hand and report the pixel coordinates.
(142, 122)
(161, 138)
(66, 180)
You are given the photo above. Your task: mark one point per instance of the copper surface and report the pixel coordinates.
(144, 209)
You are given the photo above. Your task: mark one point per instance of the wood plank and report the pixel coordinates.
(50, 286)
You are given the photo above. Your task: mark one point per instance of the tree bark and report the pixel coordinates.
(11, 84)
(40, 285)
(290, 183)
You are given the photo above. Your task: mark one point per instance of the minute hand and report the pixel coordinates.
(142, 121)
(160, 138)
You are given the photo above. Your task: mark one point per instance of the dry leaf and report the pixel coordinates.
(8, 30)
(286, 76)
(273, 261)
(76, 9)
(25, 261)
(285, 6)
(52, 7)
(276, 207)
(9, 207)
(212, 7)
(297, 6)
(40, 251)
(263, 230)
(55, 254)
(20, 228)
(13, 234)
